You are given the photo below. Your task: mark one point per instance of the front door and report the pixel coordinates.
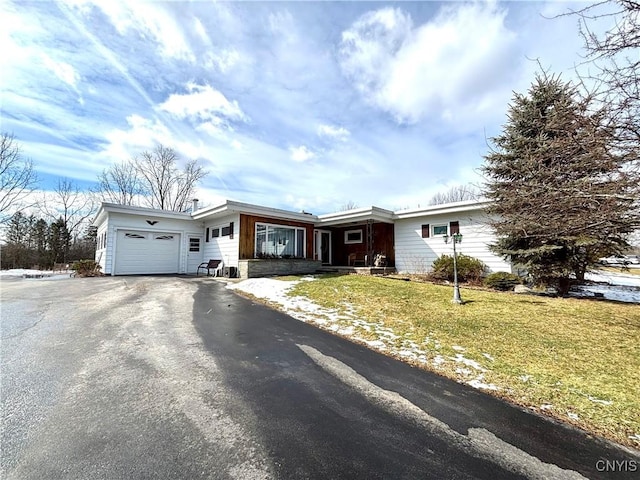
(194, 253)
(323, 246)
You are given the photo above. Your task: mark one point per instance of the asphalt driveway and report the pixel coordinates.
(177, 377)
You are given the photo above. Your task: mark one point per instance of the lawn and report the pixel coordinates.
(576, 360)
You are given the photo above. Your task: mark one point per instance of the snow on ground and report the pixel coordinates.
(30, 273)
(347, 324)
(621, 287)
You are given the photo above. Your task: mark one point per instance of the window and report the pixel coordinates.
(425, 230)
(439, 230)
(215, 232)
(194, 244)
(353, 236)
(164, 237)
(280, 241)
(226, 231)
(134, 235)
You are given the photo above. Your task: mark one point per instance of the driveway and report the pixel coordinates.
(179, 378)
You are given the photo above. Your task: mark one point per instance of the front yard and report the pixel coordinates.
(576, 360)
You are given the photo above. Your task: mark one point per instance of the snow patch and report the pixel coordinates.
(480, 384)
(459, 358)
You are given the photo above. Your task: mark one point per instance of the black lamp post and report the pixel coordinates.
(455, 238)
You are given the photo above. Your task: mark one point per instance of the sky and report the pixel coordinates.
(294, 105)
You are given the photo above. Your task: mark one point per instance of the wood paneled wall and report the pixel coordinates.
(382, 242)
(248, 233)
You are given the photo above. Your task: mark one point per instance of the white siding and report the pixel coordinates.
(223, 248)
(123, 221)
(415, 254)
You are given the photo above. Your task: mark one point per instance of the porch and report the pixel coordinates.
(356, 241)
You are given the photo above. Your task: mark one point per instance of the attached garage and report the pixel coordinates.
(141, 252)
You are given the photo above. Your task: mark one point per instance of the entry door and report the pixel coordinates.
(194, 253)
(323, 246)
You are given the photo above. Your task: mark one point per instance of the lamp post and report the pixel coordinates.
(455, 238)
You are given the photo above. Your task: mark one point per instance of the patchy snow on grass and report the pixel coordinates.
(573, 416)
(479, 383)
(546, 406)
(459, 358)
(345, 322)
(621, 287)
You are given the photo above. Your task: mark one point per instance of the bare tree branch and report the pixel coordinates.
(17, 177)
(458, 193)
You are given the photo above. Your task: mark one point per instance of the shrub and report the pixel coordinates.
(502, 281)
(86, 268)
(470, 269)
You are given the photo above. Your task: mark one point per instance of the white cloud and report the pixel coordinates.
(224, 60)
(454, 63)
(204, 104)
(301, 153)
(62, 70)
(149, 19)
(334, 132)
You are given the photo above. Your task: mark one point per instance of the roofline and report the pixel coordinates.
(129, 209)
(356, 215)
(445, 208)
(232, 206)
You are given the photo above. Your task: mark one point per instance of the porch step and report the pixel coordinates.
(358, 270)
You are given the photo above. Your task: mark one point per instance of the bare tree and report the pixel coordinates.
(458, 193)
(163, 185)
(119, 184)
(350, 205)
(74, 207)
(616, 55)
(17, 177)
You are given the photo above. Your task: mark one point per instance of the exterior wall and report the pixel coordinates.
(248, 235)
(415, 254)
(383, 238)
(104, 244)
(119, 221)
(223, 248)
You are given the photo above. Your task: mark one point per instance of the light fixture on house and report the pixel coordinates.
(455, 238)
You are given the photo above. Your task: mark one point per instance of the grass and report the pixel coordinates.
(578, 358)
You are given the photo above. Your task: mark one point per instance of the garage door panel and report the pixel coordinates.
(140, 252)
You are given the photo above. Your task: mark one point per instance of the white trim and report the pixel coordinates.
(317, 246)
(277, 225)
(352, 242)
(437, 225)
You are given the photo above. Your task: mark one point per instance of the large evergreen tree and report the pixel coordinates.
(562, 195)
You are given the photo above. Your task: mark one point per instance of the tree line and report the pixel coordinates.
(54, 227)
(32, 242)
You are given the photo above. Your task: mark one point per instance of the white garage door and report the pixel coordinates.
(139, 252)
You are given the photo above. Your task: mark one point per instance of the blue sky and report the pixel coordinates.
(296, 105)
